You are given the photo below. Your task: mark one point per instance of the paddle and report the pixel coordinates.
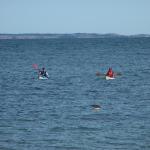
(35, 66)
(117, 73)
(100, 74)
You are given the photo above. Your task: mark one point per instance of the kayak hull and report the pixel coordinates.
(42, 78)
(109, 78)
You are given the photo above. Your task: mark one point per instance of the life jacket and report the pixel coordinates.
(110, 73)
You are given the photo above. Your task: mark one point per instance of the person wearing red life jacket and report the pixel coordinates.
(110, 73)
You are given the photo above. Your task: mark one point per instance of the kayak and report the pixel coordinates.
(109, 78)
(42, 78)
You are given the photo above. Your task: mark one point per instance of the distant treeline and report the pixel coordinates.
(74, 35)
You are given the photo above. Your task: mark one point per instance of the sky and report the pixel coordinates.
(75, 16)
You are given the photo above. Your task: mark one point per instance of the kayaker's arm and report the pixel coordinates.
(47, 75)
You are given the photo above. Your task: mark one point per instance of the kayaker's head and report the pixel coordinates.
(43, 68)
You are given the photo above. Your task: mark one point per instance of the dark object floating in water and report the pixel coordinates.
(96, 106)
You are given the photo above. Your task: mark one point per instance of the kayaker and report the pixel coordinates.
(110, 73)
(43, 73)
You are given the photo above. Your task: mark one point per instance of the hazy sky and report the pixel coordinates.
(72, 16)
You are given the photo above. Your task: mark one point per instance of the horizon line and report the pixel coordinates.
(35, 33)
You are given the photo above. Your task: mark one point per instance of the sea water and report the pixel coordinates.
(56, 114)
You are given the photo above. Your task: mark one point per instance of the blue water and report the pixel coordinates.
(56, 114)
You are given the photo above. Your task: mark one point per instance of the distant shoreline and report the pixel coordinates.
(73, 35)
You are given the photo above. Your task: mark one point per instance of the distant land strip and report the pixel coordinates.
(74, 35)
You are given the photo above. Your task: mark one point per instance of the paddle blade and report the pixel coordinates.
(35, 66)
(98, 74)
(118, 73)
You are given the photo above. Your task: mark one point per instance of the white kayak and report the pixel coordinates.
(109, 78)
(42, 78)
